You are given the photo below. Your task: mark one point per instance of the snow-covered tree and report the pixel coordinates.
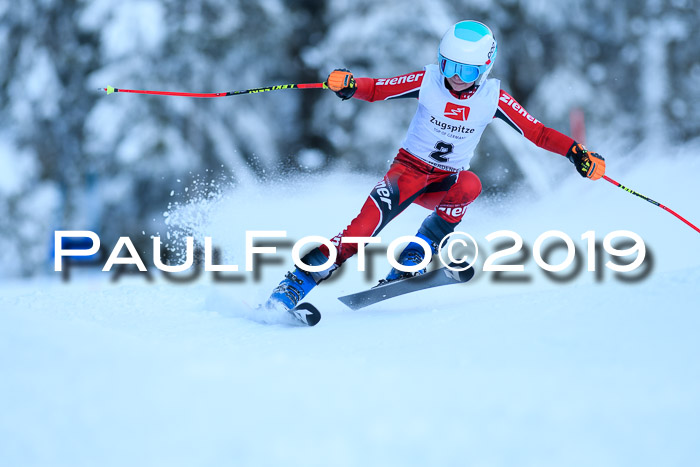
(72, 157)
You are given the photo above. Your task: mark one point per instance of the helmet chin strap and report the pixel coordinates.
(464, 94)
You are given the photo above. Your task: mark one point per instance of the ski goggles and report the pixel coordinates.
(467, 73)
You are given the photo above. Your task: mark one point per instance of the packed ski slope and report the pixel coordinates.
(529, 373)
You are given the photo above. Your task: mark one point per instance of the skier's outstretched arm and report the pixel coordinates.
(345, 86)
(588, 164)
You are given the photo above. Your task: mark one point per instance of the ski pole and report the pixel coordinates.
(650, 200)
(110, 90)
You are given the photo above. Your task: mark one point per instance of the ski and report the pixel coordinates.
(306, 313)
(378, 293)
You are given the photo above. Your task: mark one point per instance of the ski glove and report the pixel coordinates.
(342, 83)
(588, 164)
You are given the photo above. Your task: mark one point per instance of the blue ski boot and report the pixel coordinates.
(295, 286)
(412, 255)
(298, 283)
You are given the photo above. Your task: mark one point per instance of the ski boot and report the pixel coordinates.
(298, 283)
(412, 255)
(295, 286)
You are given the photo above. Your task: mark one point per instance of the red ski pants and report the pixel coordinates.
(409, 180)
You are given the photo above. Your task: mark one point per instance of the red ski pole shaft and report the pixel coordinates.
(110, 90)
(651, 201)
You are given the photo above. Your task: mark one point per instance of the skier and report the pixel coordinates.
(456, 102)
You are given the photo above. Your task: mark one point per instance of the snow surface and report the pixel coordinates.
(578, 373)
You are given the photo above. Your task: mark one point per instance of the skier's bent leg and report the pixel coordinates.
(401, 185)
(389, 198)
(449, 208)
(298, 283)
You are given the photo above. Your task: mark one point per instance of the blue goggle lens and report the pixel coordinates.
(467, 73)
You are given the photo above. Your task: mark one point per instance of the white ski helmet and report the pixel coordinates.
(468, 50)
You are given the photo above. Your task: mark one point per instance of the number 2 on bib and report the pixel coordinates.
(442, 150)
